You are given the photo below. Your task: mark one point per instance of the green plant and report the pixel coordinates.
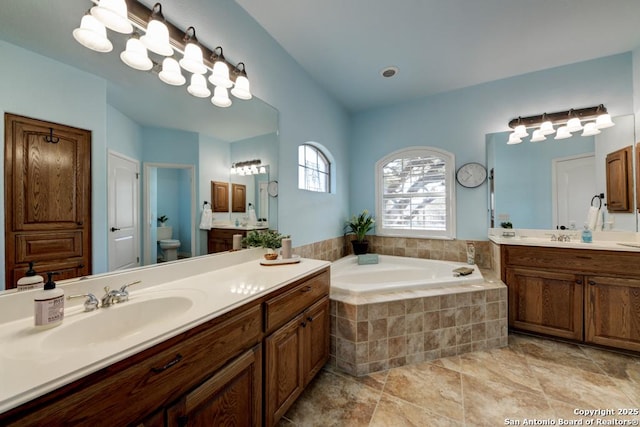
(269, 239)
(360, 225)
(162, 219)
(506, 224)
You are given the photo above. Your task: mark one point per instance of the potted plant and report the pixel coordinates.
(162, 219)
(268, 239)
(360, 225)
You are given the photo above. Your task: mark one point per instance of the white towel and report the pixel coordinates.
(205, 220)
(592, 217)
(600, 221)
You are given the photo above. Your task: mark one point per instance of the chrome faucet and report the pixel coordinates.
(91, 302)
(117, 296)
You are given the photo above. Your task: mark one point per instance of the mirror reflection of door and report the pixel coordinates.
(123, 207)
(574, 187)
(47, 198)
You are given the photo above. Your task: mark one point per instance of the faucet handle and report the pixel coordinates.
(90, 304)
(124, 287)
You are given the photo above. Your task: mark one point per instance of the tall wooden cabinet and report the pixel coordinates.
(47, 186)
(590, 296)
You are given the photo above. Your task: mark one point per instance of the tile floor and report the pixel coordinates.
(532, 378)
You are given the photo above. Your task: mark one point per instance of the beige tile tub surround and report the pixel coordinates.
(377, 335)
(447, 250)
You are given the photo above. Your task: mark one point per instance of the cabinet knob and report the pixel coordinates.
(310, 319)
(306, 289)
(592, 283)
(579, 281)
(303, 324)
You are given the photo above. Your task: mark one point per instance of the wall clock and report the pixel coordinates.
(471, 175)
(272, 188)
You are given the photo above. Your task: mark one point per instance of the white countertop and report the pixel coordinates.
(609, 241)
(30, 366)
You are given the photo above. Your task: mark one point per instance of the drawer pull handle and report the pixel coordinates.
(579, 281)
(310, 319)
(306, 289)
(177, 359)
(583, 257)
(592, 283)
(303, 324)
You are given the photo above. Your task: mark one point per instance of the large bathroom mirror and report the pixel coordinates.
(138, 117)
(529, 189)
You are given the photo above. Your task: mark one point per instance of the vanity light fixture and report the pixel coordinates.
(249, 167)
(113, 14)
(588, 119)
(92, 34)
(152, 32)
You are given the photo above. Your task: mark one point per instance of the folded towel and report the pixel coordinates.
(205, 220)
(592, 217)
(463, 271)
(600, 221)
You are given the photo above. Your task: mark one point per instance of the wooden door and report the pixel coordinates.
(619, 180)
(544, 301)
(47, 198)
(220, 196)
(238, 198)
(232, 397)
(612, 312)
(316, 342)
(284, 374)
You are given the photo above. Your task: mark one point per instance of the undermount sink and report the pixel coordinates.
(116, 322)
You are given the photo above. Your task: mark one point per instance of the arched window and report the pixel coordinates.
(314, 169)
(415, 193)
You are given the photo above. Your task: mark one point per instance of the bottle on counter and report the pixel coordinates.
(31, 280)
(587, 237)
(48, 305)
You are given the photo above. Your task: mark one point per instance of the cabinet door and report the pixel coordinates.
(238, 198)
(547, 302)
(220, 196)
(316, 338)
(284, 369)
(232, 397)
(619, 180)
(612, 312)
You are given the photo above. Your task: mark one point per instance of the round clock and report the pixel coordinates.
(471, 175)
(272, 188)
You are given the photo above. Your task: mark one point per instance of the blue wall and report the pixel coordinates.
(458, 122)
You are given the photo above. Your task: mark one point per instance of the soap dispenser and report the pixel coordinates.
(587, 237)
(49, 305)
(31, 280)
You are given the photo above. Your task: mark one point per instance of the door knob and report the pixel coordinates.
(114, 229)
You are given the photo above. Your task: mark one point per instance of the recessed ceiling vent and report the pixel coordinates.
(388, 72)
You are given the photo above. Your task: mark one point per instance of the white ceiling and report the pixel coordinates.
(440, 45)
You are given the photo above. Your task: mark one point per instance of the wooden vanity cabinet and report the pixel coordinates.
(297, 346)
(221, 239)
(205, 365)
(589, 296)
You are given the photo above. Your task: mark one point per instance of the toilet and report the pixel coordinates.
(168, 245)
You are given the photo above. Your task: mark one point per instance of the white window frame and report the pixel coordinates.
(329, 173)
(450, 194)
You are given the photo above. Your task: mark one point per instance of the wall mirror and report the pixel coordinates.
(174, 128)
(530, 185)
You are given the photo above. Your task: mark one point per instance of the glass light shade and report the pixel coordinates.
(563, 133)
(220, 97)
(135, 55)
(590, 129)
(170, 73)
(604, 121)
(514, 139)
(113, 14)
(263, 169)
(521, 131)
(232, 171)
(240, 171)
(156, 38)
(574, 125)
(220, 75)
(546, 128)
(241, 90)
(198, 86)
(192, 60)
(92, 34)
(254, 170)
(538, 136)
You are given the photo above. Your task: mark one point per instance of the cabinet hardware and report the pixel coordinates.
(306, 289)
(183, 420)
(81, 223)
(592, 283)
(579, 281)
(303, 324)
(310, 319)
(177, 359)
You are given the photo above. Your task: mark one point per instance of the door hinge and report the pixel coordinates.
(137, 175)
(138, 259)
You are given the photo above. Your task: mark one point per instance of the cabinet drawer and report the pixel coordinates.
(130, 390)
(575, 260)
(282, 308)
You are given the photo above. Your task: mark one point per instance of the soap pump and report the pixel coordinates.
(31, 280)
(49, 305)
(587, 237)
